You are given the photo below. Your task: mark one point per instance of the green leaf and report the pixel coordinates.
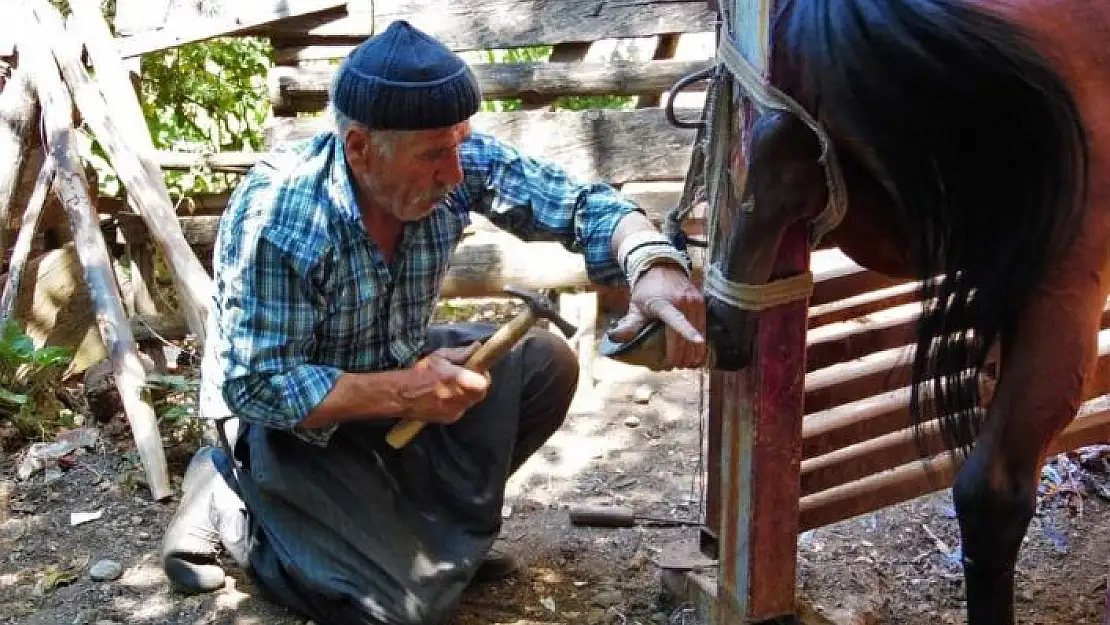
(12, 398)
(52, 356)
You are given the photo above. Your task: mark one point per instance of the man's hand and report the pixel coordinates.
(439, 390)
(664, 292)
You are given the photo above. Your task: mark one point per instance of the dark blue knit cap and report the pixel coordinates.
(403, 79)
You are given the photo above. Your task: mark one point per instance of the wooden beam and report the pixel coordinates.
(917, 478)
(179, 29)
(864, 303)
(848, 340)
(115, 331)
(297, 90)
(494, 24)
(760, 410)
(482, 264)
(135, 165)
(17, 114)
(22, 248)
(597, 144)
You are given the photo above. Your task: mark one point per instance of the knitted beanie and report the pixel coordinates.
(403, 79)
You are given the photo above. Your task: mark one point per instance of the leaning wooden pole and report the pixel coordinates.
(131, 153)
(23, 242)
(760, 410)
(17, 113)
(92, 251)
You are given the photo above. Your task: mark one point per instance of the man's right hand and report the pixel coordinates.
(437, 390)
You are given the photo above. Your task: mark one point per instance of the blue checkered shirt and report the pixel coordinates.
(302, 294)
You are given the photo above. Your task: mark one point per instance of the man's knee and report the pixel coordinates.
(551, 363)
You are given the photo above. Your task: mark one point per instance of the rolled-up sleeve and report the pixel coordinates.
(538, 200)
(269, 310)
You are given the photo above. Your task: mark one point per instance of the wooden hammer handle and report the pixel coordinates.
(495, 347)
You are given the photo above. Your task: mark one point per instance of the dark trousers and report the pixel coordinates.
(359, 533)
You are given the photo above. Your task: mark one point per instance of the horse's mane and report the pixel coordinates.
(980, 145)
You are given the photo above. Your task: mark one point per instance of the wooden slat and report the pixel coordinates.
(863, 304)
(915, 479)
(613, 146)
(850, 381)
(837, 277)
(493, 24)
(180, 27)
(295, 89)
(848, 340)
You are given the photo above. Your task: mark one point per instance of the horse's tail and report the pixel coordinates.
(980, 145)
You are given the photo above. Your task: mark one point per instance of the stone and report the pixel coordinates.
(105, 571)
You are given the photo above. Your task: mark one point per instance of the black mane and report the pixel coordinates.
(978, 141)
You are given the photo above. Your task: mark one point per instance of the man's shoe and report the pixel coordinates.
(497, 566)
(210, 516)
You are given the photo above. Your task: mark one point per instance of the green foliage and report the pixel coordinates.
(207, 97)
(28, 379)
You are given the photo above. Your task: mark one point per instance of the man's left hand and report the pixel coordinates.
(664, 292)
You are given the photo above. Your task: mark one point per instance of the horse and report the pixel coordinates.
(972, 139)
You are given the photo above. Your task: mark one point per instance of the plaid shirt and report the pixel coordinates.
(302, 294)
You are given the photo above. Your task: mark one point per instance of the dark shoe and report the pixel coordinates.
(497, 566)
(209, 517)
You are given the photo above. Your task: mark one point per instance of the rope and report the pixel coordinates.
(764, 97)
(758, 296)
(767, 97)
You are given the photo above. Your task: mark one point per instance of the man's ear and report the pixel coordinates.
(357, 143)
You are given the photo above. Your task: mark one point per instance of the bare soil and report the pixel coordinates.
(896, 566)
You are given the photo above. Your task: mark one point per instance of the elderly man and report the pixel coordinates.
(327, 268)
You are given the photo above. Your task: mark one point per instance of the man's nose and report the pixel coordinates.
(451, 175)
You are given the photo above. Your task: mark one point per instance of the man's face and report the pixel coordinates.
(406, 173)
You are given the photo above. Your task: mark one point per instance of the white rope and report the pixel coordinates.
(757, 296)
(767, 97)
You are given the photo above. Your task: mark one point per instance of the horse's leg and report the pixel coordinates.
(1044, 368)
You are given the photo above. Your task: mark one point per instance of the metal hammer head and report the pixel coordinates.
(542, 308)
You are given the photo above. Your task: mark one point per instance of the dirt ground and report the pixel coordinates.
(636, 444)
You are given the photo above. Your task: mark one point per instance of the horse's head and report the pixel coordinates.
(784, 183)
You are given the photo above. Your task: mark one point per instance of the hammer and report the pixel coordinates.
(507, 336)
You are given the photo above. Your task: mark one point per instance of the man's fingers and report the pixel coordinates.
(674, 319)
(471, 381)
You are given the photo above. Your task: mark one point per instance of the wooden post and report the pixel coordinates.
(760, 410)
(72, 188)
(17, 112)
(26, 237)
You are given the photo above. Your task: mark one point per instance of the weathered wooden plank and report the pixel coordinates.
(492, 24)
(295, 89)
(43, 26)
(847, 340)
(865, 303)
(17, 110)
(22, 248)
(609, 145)
(183, 24)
